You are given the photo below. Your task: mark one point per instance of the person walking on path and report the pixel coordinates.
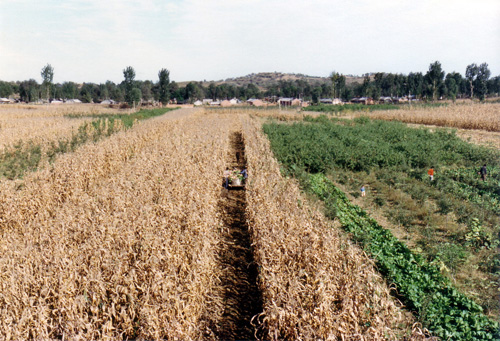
(363, 191)
(483, 172)
(431, 173)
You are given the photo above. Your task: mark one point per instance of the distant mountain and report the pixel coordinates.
(265, 79)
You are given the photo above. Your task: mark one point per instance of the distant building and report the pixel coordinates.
(198, 103)
(108, 102)
(285, 101)
(6, 100)
(363, 100)
(255, 102)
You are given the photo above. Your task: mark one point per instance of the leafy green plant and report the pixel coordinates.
(398, 157)
(451, 255)
(477, 237)
(446, 312)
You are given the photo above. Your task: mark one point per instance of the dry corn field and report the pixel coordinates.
(480, 116)
(42, 123)
(129, 238)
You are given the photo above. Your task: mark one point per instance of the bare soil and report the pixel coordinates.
(242, 296)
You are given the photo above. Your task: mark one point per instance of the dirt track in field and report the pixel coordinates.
(242, 297)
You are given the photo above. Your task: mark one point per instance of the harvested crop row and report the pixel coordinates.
(315, 285)
(118, 239)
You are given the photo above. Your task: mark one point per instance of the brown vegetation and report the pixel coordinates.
(315, 284)
(122, 239)
(482, 116)
(42, 124)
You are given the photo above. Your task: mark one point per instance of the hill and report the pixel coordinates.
(265, 79)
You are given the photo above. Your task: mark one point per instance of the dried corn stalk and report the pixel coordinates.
(315, 284)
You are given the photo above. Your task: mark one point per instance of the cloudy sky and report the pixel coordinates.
(94, 40)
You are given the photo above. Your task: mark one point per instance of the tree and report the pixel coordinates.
(471, 74)
(434, 79)
(388, 85)
(494, 86)
(252, 91)
(89, 93)
(416, 83)
(69, 90)
(481, 86)
(316, 94)
(212, 91)
(451, 86)
(47, 74)
(5, 89)
(192, 92)
(146, 90)
(163, 86)
(28, 90)
(136, 96)
(338, 83)
(129, 75)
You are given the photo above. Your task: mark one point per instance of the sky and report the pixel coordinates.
(95, 40)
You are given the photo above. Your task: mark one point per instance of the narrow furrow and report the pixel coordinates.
(242, 298)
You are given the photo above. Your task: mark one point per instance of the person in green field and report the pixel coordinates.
(483, 172)
(430, 172)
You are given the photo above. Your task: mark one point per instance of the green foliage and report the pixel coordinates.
(163, 86)
(451, 255)
(135, 96)
(445, 311)
(19, 159)
(127, 119)
(364, 144)
(477, 237)
(340, 108)
(399, 157)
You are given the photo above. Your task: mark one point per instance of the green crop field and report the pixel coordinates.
(444, 262)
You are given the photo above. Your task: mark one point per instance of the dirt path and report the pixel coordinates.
(242, 297)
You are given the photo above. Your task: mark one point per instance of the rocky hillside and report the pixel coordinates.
(265, 79)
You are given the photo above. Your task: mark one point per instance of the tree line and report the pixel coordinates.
(432, 85)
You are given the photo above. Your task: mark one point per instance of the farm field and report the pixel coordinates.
(43, 123)
(133, 236)
(448, 228)
(479, 116)
(32, 140)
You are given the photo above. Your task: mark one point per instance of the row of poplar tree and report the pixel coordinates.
(432, 85)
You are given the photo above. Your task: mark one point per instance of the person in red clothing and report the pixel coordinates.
(431, 173)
